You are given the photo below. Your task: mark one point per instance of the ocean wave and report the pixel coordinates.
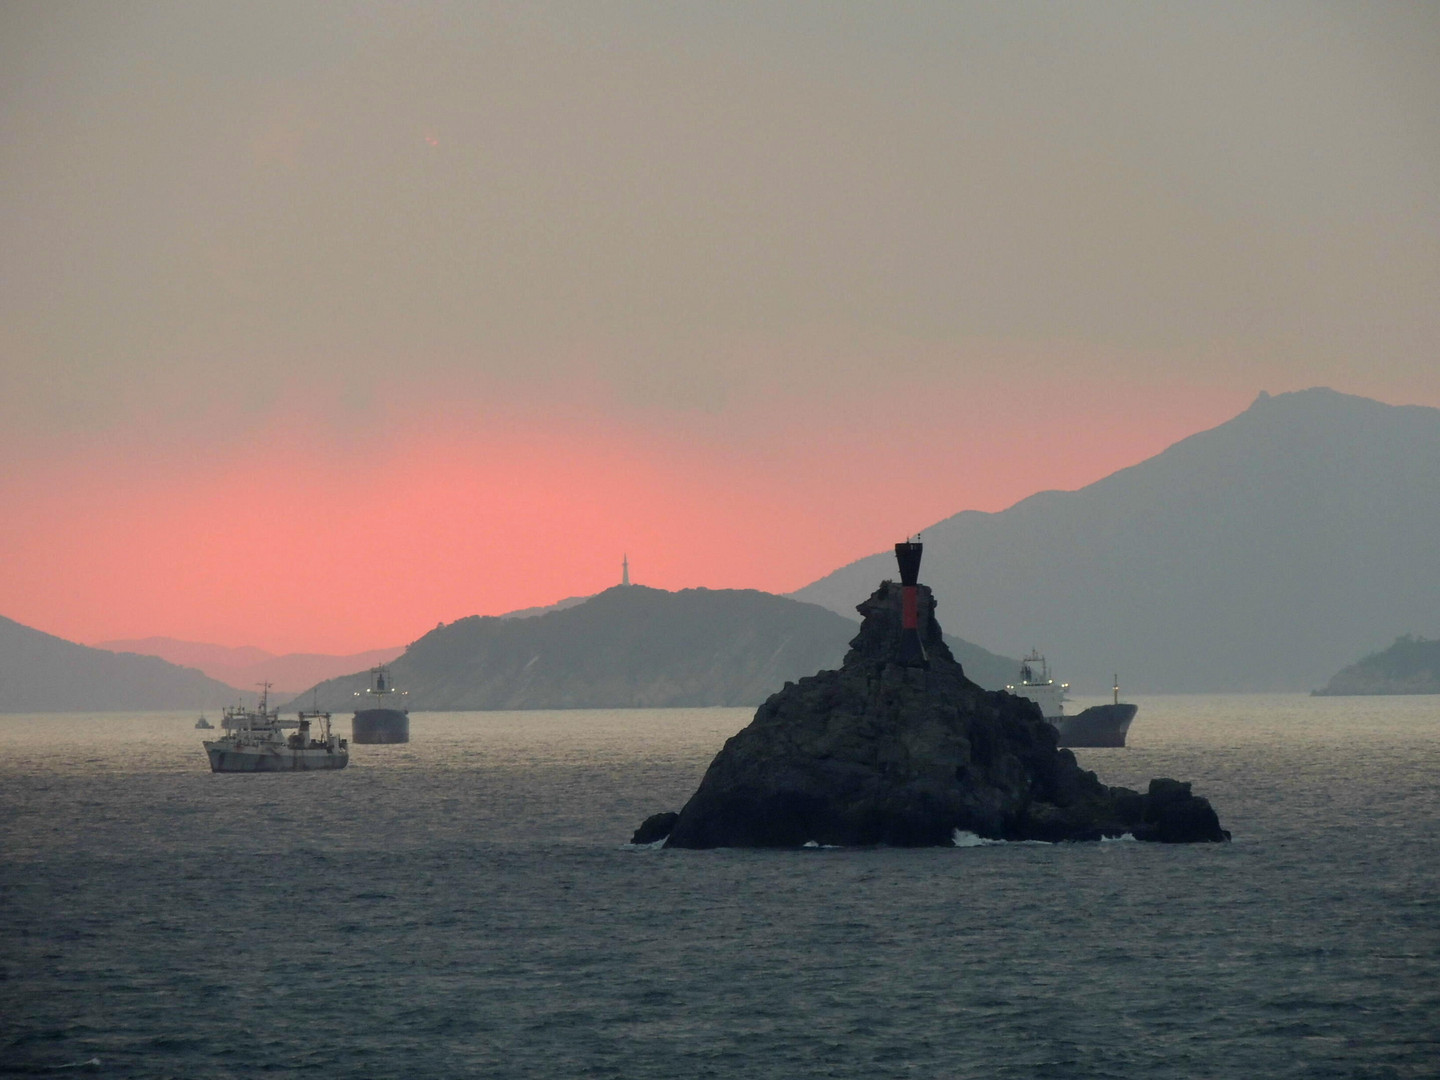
(965, 838)
(654, 845)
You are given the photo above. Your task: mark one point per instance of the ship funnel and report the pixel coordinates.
(912, 649)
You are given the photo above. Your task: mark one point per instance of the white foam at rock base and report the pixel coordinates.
(965, 838)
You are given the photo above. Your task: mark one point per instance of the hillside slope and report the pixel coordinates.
(1410, 666)
(1259, 555)
(43, 673)
(247, 666)
(627, 647)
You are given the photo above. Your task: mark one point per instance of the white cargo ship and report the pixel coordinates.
(257, 740)
(1099, 725)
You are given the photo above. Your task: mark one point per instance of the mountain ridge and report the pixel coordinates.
(1257, 555)
(630, 646)
(40, 672)
(246, 666)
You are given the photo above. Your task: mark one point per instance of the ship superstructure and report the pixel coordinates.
(1037, 685)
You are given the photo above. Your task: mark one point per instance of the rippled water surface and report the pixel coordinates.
(465, 905)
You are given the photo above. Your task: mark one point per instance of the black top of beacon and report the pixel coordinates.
(907, 554)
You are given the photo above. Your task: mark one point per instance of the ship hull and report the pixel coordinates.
(1099, 725)
(228, 759)
(380, 726)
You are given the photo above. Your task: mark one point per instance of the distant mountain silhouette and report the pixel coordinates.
(247, 666)
(1262, 554)
(628, 647)
(544, 609)
(1410, 666)
(43, 673)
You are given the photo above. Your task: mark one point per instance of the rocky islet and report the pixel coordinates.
(903, 750)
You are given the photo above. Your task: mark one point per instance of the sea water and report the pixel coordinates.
(467, 905)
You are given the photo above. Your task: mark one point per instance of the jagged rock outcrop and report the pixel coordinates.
(883, 752)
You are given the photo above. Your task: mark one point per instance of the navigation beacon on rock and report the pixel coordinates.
(912, 649)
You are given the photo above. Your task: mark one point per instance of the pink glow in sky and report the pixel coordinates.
(298, 540)
(323, 323)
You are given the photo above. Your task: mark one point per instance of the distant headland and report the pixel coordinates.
(1409, 666)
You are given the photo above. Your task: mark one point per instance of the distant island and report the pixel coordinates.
(628, 647)
(1410, 666)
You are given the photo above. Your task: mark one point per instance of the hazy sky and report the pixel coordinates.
(322, 322)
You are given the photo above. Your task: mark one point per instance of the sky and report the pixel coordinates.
(323, 323)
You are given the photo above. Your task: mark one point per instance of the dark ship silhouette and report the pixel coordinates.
(382, 717)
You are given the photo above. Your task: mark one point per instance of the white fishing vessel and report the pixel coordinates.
(257, 740)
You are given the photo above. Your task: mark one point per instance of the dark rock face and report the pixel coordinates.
(879, 752)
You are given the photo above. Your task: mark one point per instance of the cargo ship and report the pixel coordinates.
(382, 716)
(256, 740)
(1099, 725)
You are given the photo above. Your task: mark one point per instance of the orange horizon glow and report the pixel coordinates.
(325, 325)
(303, 540)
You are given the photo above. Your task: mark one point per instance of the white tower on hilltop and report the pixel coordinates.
(625, 569)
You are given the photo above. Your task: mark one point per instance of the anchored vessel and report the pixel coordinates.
(256, 741)
(1099, 725)
(382, 716)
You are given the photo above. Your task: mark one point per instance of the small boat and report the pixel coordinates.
(382, 716)
(256, 741)
(204, 725)
(1099, 725)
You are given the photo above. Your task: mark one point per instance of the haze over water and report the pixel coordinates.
(465, 905)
